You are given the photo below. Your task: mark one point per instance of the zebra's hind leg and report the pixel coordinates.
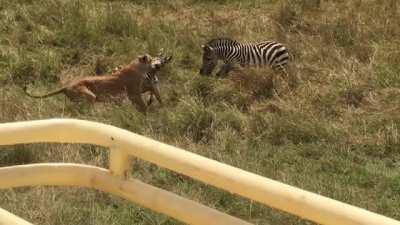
(270, 86)
(288, 78)
(225, 69)
(292, 80)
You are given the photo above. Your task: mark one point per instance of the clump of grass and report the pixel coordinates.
(79, 27)
(203, 87)
(354, 96)
(391, 135)
(287, 15)
(16, 155)
(306, 136)
(232, 118)
(123, 25)
(388, 75)
(327, 104)
(192, 119)
(214, 91)
(295, 128)
(291, 16)
(240, 89)
(362, 177)
(340, 33)
(36, 67)
(394, 184)
(257, 82)
(343, 34)
(23, 71)
(226, 93)
(386, 65)
(126, 116)
(196, 121)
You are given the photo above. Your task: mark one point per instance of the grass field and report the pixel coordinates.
(335, 131)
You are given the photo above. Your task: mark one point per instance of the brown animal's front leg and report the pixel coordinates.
(138, 101)
(134, 92)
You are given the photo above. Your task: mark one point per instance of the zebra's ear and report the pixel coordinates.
(206, 48)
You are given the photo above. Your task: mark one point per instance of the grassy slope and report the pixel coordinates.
(335, 133)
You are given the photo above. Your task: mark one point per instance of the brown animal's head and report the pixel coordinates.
(145, 59)
(210, 60)
(156, 63)
(146, 63)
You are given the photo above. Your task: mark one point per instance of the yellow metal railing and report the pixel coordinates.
(7, 218)
(123, 144)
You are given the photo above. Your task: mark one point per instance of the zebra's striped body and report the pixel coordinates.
(150, 81)
(267, 53)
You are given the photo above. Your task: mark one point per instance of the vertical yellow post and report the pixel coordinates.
(119, 163)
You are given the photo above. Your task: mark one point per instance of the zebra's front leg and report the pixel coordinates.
(151, 99)
(225, 69)
(156, 93)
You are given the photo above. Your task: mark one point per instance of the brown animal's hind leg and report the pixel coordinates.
(80, 93)
(88, 95)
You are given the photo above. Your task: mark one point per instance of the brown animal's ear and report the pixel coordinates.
(145, 59)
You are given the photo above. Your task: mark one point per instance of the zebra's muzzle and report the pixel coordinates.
(203, 72)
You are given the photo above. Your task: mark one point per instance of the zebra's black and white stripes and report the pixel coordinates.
(150, 80)
(267, 53)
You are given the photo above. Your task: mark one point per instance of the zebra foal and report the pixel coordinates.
(231, 52)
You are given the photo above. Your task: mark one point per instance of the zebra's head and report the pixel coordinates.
(210, 60)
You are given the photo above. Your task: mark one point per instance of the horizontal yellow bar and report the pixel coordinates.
(159, 200)
(302, 203)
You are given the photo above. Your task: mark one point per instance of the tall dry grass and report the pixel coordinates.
(335, 132)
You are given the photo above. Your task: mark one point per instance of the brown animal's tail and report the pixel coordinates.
(45, 95)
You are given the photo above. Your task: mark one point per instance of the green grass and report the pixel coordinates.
(335, 131)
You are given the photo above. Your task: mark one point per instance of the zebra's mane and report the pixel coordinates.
(217, 41)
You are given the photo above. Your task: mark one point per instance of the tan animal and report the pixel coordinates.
(127, 80)
(151, 82)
